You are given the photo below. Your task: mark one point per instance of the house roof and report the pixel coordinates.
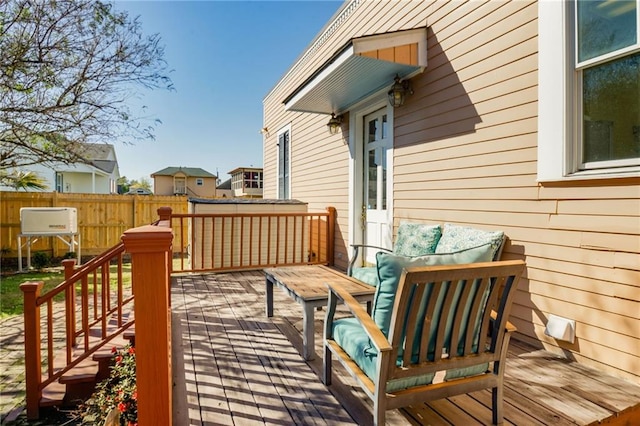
(102, 156)
(105, 165)
(365, 65)
(225, 185)
(95, 151)
(187, 171)
(243, 169)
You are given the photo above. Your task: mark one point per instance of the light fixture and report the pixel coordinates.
(399, 92)
(334, 123)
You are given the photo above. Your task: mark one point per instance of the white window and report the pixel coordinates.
(284, 163)
(199, 182)
(59, 182)
(589, 92)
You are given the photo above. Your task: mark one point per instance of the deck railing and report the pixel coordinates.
(102, 311)
(236, 241)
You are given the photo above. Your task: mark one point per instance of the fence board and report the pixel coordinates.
(102, 218)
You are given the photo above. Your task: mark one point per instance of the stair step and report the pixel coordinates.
(84, 372)
(53, 395)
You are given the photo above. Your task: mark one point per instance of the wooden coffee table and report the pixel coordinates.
(307, 286)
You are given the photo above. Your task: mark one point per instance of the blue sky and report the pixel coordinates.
(225, 56)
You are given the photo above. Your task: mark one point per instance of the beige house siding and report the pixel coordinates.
(163, 185)
(465, 152)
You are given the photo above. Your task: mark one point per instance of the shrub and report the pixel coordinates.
(40, 260)
(115, 396)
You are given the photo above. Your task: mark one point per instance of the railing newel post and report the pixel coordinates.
(32, 358)
(331, 232)
(150, 249)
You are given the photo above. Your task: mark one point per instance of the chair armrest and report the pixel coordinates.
(508, 327)
(356, 249)
(378, 339)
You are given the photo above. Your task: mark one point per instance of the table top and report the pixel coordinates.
(309, 282)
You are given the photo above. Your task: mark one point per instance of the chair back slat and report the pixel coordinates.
(461, 319)
(412, 321)
(442, 315)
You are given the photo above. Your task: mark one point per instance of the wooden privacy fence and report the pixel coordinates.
(102, 218)
(234, 241)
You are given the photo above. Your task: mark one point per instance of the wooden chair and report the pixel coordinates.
(449, 318)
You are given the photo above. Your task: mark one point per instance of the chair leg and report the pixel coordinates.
(497, 403)
(379, 412)
(326, 364)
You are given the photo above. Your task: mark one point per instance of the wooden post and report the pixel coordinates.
(331, 235)
(32, 358)
(164, 219)
(70, 303)
(150, 247)
(164, 213)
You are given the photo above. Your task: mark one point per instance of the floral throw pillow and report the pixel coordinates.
(456, 237)
(416, 239)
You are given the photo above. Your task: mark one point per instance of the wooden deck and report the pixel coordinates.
(234, 366)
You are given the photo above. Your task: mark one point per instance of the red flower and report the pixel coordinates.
(114, 350)
(122, 407)
(132, 350)
(134, 395)
(132, 423)
(119, 359)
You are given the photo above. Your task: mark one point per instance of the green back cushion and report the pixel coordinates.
(416, 239)
(456, 237)
(390, 268)
(366, 274)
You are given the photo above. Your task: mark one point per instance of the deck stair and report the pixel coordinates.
(79, 382)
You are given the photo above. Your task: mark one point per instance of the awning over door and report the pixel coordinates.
(362, 67)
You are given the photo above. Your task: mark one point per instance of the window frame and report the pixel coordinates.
(283, 193)
(561, 160)
(199, 181)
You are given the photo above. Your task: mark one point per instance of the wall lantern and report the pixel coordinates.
(334, 124)
(399, 92)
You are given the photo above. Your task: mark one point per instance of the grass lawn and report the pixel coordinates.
(11, 296)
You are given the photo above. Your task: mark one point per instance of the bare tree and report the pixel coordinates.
(69, 70)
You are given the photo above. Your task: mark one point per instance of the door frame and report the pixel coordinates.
(356, 164)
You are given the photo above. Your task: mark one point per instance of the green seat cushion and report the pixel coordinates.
(349, 334)
(456, 237)
(390, 268)
(416, 239)
(367, 274)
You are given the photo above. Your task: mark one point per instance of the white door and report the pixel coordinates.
(376, 198)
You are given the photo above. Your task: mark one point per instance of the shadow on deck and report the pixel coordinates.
(234, 366)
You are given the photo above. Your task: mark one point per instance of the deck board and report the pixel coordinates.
(235, 366)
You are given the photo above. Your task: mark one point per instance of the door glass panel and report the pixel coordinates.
(384, 178)
(372, 190)
(373, 125)
(385, 128)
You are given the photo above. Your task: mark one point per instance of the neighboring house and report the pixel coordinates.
(191, 181)
(504, 126)
(139, 191)
(224, 189)
(246, 182)
(98, 176)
